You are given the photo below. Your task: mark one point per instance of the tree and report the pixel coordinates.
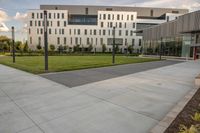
(5, 43)
(39, 47)
(52, 47)
(60, 48)
(76, 48)
(103, 48)
(25, 47)
(18, 45)
(65, 48)
(130, 49)
(90, 47)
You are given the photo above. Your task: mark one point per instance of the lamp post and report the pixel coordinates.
(113, 47)
(161, 41)
(45, 41)
(13, 43)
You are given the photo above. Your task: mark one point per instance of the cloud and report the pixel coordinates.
(192, 5)
(3, 16)
(20, 16)
(3, 27)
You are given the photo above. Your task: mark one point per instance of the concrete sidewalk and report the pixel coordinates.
(129, 104)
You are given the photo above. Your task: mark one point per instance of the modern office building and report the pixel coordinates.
(180, 37)
(83, 26)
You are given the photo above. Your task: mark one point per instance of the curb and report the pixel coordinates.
(171, 116)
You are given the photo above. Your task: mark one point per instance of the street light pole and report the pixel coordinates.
(113, 47)
(13, 43)
(45, 41)
(161, 48)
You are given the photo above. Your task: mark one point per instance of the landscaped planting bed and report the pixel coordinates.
(187, 121)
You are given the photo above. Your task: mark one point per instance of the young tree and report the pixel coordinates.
(39, 47)
(90, 47)
(65, 47)
(52, 47)
(25, 47)
(130, 49)
(60, 48)
(103, 48)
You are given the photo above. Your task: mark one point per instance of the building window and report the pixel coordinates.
(167, 18)
(79, 31)
(31, 23)
(65, 23)
(65, 40)
(126, 32)
(108, 16)
(99, 16)
(126, 42)
(76, 40)
(88, 40)
(99, 32)
(74, 31)
(58, 15)
(29, 31)
(175, 11)
(38, 31)
(58, 23)
(104, 32)
(116, 24)
(49, 15)
(127, 17)
(63, 31)
(122, 17)
(49, 31)
(131, 33)
(95, 32)
(71, 41)
(133, 25)
(85, 31)
(101, 24)
(132, 17)
(70, 31)
(90, 32)
(104, 16)
(63, 15)
(37, 15)
(118, 16)
(120, 32)
(151, 13)
(39, 24)
(41, 31)
(120, 25)
(58, 40)
(41, 15)
(125, 25)
(140, 42)
(108, 9)
(32, 15)
(86, 11)
(54, 15)
(133, 42)
(111, 24)
(113, 17)
(35, 23)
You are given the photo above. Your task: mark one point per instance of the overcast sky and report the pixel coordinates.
(13, 12)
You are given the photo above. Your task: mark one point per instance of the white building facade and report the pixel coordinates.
(93, 25)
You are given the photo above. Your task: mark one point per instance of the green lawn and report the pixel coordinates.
(35, 64)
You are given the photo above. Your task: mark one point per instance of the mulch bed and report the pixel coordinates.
(184, 116)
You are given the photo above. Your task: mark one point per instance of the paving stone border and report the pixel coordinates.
(171, 116)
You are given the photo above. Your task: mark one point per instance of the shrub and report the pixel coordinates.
(192, 129)
(196, 117)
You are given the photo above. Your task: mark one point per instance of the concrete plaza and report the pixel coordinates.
(131, 103)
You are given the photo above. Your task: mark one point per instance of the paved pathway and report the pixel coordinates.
(128, 104)
(81, 77)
